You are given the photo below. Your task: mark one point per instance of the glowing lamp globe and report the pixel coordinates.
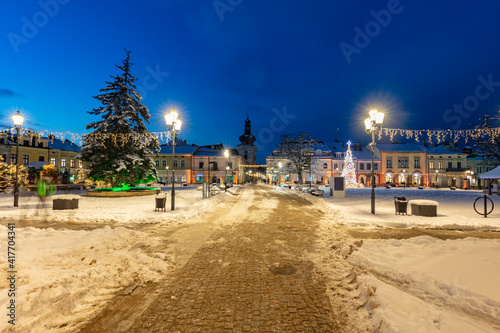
(18, 119)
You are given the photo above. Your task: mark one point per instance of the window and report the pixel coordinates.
(72, 163)
(375, 166)
(230, 165)
(80, 164)
(214, 166)
(40, 144)
(450, 165)
(200, 165)
(325, 165)
(183, 163)
(417, 163)
(26, 142)
(335, 166)
(63, 162)
(403, 162)
(26, 159)
(361, 166)
(53, 161)
(164, 163)
(368, 166)
(2, 140)
(41, 158)
(13, 158)
(431, 165)
(184, 179)
(175, 163)
(440, 165)
(389, 163)
(157, 163)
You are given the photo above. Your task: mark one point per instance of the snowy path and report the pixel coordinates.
(243, 266)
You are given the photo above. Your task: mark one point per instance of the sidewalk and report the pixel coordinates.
(250, 275)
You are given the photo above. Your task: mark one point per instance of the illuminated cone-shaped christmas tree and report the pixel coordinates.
(349, 171)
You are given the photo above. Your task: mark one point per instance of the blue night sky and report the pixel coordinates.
(294, 66)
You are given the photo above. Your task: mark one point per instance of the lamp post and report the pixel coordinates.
(372, 125)
(174, 127)
(166, 178)
(226, 155)
(437, 184)
(18, 119)
(279, 175)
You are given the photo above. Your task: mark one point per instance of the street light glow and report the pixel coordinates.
(18, 119)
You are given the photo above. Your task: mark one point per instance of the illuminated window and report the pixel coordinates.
(72, 164)
(440, 165)
(63, 162)
(431, 165)
(53, 161)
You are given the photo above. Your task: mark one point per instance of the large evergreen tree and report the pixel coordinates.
(120, 146)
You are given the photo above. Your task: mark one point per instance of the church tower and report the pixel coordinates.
(247, 149)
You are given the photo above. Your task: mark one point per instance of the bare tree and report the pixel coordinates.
(297, 149)
(489, 143)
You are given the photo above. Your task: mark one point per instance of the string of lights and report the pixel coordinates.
(440, 135)
(121, 138)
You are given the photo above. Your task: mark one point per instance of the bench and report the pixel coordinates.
(423, 207)
(65, 201)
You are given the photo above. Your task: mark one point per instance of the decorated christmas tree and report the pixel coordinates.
(120, 146)
(80, 176)
(349, 171)
(22, 175)
(4, 178)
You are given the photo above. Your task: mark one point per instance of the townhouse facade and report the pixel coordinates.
(403, 164)
(36, 151)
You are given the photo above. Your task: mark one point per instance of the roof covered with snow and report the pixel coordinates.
(403, 147)
(181, 150)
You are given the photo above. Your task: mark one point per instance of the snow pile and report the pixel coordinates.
(429, 285)
(66, 276)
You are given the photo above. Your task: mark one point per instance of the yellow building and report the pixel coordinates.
(35, 151)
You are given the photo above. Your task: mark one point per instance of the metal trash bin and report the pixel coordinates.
(161, 200)
(401, 205)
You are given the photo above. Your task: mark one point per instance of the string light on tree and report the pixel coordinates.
(349, 171)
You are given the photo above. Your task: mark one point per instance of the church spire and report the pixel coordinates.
(247, 138)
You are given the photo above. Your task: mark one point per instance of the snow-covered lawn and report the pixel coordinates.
(421, 284)
(455, 210)
(66, 276)
(188, 202)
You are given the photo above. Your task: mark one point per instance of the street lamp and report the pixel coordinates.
(18, 123)
(437, 184)
(279, 179)
(372, 125)
(226, 155)
(166, 178)
(174, 127)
